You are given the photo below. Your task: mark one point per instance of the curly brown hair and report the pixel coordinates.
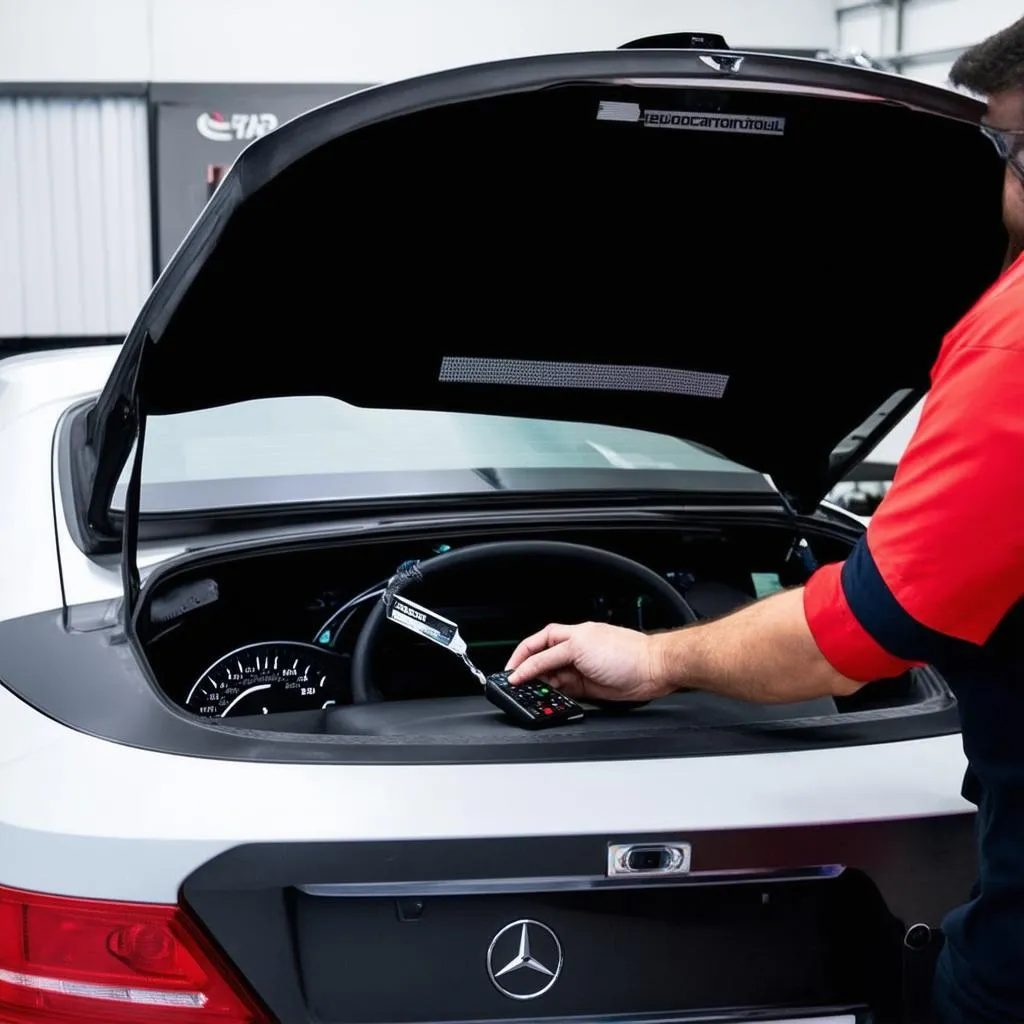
(994, 65)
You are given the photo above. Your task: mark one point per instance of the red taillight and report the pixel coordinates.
(65, 959)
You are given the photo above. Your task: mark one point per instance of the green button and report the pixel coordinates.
(544, 689)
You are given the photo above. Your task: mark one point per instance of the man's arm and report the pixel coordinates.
(940, 565)
(764, 653)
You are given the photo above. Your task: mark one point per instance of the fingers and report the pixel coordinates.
(544, 663)
(549, 636)
(567, 681)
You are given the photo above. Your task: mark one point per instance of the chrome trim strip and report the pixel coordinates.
(563, 883)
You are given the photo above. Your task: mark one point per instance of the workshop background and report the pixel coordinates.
(118, 117)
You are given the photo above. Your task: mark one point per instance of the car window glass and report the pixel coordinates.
(312, 435)
(304, 448)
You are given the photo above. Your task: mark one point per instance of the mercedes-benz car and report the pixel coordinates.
(568, 337)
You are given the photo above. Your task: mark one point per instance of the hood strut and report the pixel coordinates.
(130, 579)
(130, 527)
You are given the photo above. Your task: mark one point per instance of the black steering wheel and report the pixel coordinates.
(365, 692)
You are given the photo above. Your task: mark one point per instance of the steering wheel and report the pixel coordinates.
(365, 692)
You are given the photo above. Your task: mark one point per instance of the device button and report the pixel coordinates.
(548, 711)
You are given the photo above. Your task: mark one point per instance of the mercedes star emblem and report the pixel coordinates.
(524, 959)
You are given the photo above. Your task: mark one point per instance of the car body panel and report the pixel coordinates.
(85, 816)
(35, 390)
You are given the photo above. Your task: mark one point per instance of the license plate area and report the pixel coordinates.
(661, 953)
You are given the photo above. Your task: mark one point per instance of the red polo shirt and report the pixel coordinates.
(943, 556)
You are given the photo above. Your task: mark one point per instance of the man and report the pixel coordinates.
(938, 579)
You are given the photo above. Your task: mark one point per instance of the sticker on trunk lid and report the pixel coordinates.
(691, 120)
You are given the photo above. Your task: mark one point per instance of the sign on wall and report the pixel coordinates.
(199, 130)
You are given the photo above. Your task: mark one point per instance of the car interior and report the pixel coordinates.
(301, 635)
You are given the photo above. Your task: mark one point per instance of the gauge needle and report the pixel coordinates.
(244, 693)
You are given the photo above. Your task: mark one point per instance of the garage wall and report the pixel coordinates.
(355, 40)
(933, 25)
(74, 215)
(866, 26)
(76, 227)
(922, 38)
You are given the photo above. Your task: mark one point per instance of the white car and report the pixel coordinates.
(512, 343)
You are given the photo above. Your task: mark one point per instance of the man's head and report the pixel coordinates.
(994, 69)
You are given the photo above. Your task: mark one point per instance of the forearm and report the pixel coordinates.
(764, 653)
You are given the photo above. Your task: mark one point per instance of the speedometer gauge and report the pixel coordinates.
(261, 679)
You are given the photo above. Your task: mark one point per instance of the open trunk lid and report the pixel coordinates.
(757, 254)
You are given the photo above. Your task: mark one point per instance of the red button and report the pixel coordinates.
(548, 711)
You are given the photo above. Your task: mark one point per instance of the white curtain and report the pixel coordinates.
(75, 243)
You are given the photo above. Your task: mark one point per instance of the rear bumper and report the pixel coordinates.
(767, 925)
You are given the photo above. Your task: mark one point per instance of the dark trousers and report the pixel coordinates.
(948, 1005)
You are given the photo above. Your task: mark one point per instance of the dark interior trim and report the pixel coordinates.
(40, 653)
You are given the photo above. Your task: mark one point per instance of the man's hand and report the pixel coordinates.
(763, 653)
(592, 660)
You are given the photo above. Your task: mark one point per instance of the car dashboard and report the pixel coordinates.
(277, 633)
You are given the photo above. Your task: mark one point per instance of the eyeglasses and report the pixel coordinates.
(1009, 145)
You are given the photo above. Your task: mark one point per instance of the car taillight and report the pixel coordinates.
(64, 959)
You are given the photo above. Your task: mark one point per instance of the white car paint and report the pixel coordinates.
(833, 507)
(76, 812)
(34, 392)
(85, 816)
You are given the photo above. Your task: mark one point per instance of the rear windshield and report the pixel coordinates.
(314, 449)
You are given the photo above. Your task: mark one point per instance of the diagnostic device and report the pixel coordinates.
(533, 705)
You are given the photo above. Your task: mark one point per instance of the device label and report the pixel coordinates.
(422, 621)
(691, 120)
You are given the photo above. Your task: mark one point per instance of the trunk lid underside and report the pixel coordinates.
(748, 262)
